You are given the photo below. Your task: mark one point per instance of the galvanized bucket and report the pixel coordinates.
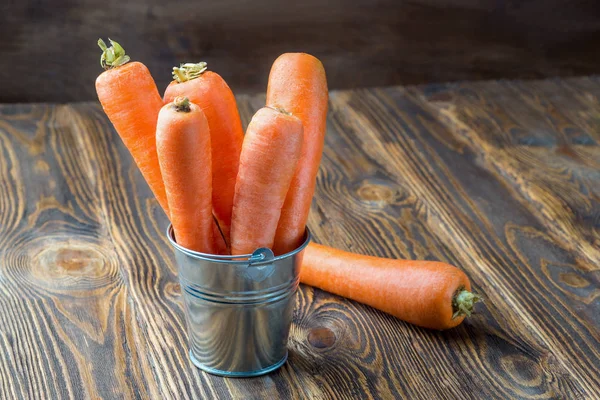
(238, 308)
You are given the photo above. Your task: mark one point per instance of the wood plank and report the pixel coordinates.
(89, 300)
(50, 53)
(457, 199)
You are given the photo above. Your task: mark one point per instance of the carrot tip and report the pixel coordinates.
(188, 71)
(463, 302)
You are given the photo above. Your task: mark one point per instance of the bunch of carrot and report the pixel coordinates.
(230, 193)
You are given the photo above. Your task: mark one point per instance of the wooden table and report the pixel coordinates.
(499, 178)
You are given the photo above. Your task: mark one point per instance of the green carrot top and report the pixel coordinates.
(188, 71)
(463, 301)
(113, 56)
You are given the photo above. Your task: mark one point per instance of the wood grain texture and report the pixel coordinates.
(499, 178)
(49, 50)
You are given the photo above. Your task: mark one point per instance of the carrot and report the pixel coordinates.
(131, 101)
(297, 84)
(430, 294)
(269, 157)
(211, 93)
(183, 147)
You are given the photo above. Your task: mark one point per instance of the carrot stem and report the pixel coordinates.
(188, 71)
(462, 302)
(182, 104)
(113, 56)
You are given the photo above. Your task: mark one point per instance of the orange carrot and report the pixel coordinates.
(430, 294)
(270, 155)
(210, 92)
(297, 84)
(183, 147)
(131, 101)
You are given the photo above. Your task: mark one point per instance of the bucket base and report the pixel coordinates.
(238, 374)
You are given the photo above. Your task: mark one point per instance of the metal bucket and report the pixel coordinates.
(238, 308)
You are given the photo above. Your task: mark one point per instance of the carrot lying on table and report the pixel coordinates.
(430, 294)
(297, 84)
(131, 101)
(211, 93)
(268, 160)
(184, 154)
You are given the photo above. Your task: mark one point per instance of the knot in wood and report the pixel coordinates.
(72, 267)
(321, 337)
(376, 193)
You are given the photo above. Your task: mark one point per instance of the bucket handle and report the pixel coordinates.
(261, 255)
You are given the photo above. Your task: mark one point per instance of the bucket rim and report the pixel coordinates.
(243, 259)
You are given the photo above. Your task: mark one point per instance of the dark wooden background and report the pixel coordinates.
(48, 49)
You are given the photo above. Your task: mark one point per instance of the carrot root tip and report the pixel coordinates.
(463, 302)
(188, 71)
